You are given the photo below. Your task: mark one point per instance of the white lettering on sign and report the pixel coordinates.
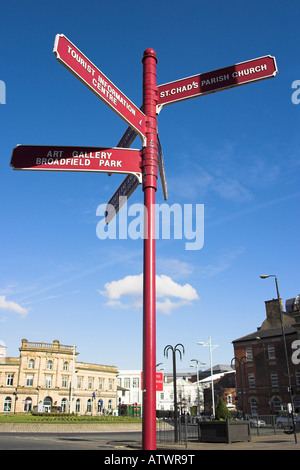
(242, 73)
(80, 60)
(105, 88)
(63, 161)
(296, 354)
(181, 89)
(212, 80)
(111, 163)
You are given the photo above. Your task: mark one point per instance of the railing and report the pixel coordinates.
(55, 345)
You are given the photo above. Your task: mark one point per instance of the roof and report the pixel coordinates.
(261, 333)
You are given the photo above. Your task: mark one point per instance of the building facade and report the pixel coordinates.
(47, 377)
(130, 392)
(263, 378)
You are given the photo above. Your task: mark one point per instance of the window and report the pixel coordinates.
(9, 380)
(251, 380)
(31, 364)
(126, 382)
(101, 383)
(64, 383)
(249, 354)
(66, 366)
(90, 383)
(48, 381)
(110, 384)
(109, 405)
(29, 380)
(100, 405)
(135, 382)
(64, 405)
(276, 404)
(77, 405)
(274, 380)
(27, 404)
(253, 406)
(7, 404)
(49, 365)
(79, 382)
(271, 351)
(89, 406)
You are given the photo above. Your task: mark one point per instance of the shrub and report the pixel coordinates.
(222, 412)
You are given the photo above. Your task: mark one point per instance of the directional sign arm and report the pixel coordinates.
(216, 80)
(80, 66)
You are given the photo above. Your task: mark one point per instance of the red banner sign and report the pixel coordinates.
(78, 64)
(159, 381)
(93, 159)
(217, 80)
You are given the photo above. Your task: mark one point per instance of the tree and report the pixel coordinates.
(222, 412)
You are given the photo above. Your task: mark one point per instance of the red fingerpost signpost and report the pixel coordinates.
(141, 166)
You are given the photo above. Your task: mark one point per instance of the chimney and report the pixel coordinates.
(273, 312)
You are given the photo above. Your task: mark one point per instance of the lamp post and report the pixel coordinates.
(197, 372)
(241, 361)
(265, 276)
(211, 347)
(174, 349)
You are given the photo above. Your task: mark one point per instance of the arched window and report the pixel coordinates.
(7, 404)
(100, 406)
(66, 365)
(27, 404)
(276, 402)
(49, 365)
(78, 405)
(64, 405)
(109, 405)
(253, 406)
(47, 404)
(31, 364)
(89, 406)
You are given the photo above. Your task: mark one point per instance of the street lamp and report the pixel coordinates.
(174, 349)
(197, 372)
(265, 276)
(211, 347)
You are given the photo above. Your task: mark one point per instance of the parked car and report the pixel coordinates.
(286, 421)
(257, 423)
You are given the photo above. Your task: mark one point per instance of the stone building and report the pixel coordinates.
(263, 377)
(48, 377)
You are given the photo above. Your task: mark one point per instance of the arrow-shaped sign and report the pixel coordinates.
(78, 64)
(92, 159)
(217, 80)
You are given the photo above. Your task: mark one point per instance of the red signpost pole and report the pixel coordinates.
(149, 169)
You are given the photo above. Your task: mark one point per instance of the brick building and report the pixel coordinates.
(47, 377)
(261, 370)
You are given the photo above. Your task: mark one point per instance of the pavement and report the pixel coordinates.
(272, 442)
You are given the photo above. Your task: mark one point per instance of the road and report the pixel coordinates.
(70, 441)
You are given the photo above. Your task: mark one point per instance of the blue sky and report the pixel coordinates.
(236, 152)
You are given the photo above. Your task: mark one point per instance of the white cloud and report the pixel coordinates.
(10, 305)
(169, 294)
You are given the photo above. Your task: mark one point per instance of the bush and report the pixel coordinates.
(222, 412)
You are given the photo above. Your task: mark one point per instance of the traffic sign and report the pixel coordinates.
(78, 64)
(217, 80)
(92, 159)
